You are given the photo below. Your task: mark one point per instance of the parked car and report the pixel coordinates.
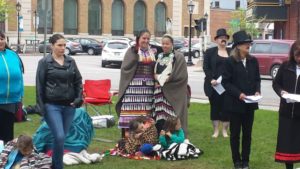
(178, 43)
(195, 49)
(114, 52)
(89, 45)
(154, 42)
(71, 47)
(270, 54)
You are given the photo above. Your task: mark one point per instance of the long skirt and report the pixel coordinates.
(288, 140)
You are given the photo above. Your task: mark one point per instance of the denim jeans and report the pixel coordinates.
(59, 119)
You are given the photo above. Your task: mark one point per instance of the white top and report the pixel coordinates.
(244, 62)
(298, 70)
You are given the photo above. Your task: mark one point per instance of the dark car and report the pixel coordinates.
(89, 45)
(195, 49)
(270, 54)
(71, 47)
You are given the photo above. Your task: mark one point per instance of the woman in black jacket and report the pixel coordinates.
(59, 92)
(240, 79)
(287, 81)
(213, 67)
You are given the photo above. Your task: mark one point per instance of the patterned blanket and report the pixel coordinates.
(33, 161)
(78, 138)
(176, 151)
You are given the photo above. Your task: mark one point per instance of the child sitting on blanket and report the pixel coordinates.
(142, 132)
(172, 133)
(19, 153)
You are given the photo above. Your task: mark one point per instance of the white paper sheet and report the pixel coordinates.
(291, 98)
(219, 88)
(252, 99)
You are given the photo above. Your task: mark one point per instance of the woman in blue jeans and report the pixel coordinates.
(59, 92)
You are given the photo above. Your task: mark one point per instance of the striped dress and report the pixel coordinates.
(138, 97)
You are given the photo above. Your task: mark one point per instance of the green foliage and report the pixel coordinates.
(239, 21)
(217, 154)
(5, 9)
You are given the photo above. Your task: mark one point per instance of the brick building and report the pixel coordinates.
(97, 18)
(289, 29)
(285, 14)
(221, 19)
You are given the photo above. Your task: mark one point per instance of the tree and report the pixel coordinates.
(239, 21)
(5, 8)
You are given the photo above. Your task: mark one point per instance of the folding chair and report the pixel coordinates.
(97, 93)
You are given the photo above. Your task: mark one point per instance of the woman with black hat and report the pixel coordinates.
(240, 79)
(213, 67)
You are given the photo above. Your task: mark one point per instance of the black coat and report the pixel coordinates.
(58, 84)
(209, 68)
(286, 80)
(237, 79)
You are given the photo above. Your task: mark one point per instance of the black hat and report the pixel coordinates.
(221, 32)
(241, 37)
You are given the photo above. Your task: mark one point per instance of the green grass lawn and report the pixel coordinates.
(216, 155)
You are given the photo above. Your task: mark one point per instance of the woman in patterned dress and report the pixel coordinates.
(137, 82)
(170, 94)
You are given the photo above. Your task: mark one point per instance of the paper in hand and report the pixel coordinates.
(252, 99)
(219, 88)
(291, 98)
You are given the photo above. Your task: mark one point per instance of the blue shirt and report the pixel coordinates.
(11, 78)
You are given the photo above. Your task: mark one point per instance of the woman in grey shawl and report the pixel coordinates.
(137, 82)
(170, 92)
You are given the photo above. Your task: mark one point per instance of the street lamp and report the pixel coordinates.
(18, 8)
(191, 8)
(35, 28)
(206, 27)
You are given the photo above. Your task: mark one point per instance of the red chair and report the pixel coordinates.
(97, 93)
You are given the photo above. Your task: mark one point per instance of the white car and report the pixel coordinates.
(114, 52)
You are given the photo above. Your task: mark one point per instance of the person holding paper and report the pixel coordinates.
(213, 67)
(170, 92)
(241, 78)
(287, 86)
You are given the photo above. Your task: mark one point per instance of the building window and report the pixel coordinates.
(117, 20)
(217, 4)
(95, 17)
(139, 17)
(41, 16)
(70, 17)
(160, 19)
(186, 32)
(237, 4)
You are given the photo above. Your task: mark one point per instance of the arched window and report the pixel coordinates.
(160, 19)
(117, 18)
(70, 17)
(41, 11)
(139, 17)
(95, 17)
